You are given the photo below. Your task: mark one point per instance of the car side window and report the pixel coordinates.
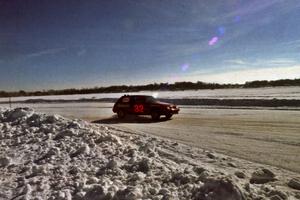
(139, 100)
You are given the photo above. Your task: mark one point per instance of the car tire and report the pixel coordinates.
(121, 114)
(155, 116)
(168, 116)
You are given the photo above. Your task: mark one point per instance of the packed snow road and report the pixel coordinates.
(266, 136)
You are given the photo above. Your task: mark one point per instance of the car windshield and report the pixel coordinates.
(150, 99)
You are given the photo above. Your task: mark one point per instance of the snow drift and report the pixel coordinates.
(50, 157)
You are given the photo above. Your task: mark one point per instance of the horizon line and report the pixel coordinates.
(146, 84)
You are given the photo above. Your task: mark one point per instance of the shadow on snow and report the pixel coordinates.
(130, 119)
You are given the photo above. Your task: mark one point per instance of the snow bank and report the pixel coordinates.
(50, 157)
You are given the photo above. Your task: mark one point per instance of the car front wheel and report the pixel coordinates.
(121, 114)
(168, 116)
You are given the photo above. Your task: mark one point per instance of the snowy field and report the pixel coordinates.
(51, 157)
(269, 136)
(256, 93)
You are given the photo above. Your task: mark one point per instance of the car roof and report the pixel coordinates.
(137, 96)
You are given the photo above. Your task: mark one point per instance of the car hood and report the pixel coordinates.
(163, 103)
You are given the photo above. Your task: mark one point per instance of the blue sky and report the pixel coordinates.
(75, 44)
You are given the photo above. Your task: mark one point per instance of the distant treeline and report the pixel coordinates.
(281, 82)
(152, 87)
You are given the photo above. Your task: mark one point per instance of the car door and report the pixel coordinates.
(148, 105)
(138, 105)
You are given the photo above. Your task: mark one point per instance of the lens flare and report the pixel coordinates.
(237, 18)
(185, 67)
(213, 41)
(173, 78)
(221, 30)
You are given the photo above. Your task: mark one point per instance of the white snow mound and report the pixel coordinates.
(50, 157)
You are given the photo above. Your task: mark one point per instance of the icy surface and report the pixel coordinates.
(246, 93)
(50, 157)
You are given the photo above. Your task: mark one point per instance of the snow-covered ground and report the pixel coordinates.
(251, 93)
(51, 157)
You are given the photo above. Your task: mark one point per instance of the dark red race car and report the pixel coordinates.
(143, 105)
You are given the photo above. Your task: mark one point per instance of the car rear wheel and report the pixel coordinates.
(155, 116)
(168, 116)
(121, 114)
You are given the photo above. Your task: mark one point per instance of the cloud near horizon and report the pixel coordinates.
(244, 75)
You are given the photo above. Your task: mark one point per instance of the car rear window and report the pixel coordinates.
(125, 100)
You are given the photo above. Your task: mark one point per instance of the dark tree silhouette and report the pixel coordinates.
(155, 86)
